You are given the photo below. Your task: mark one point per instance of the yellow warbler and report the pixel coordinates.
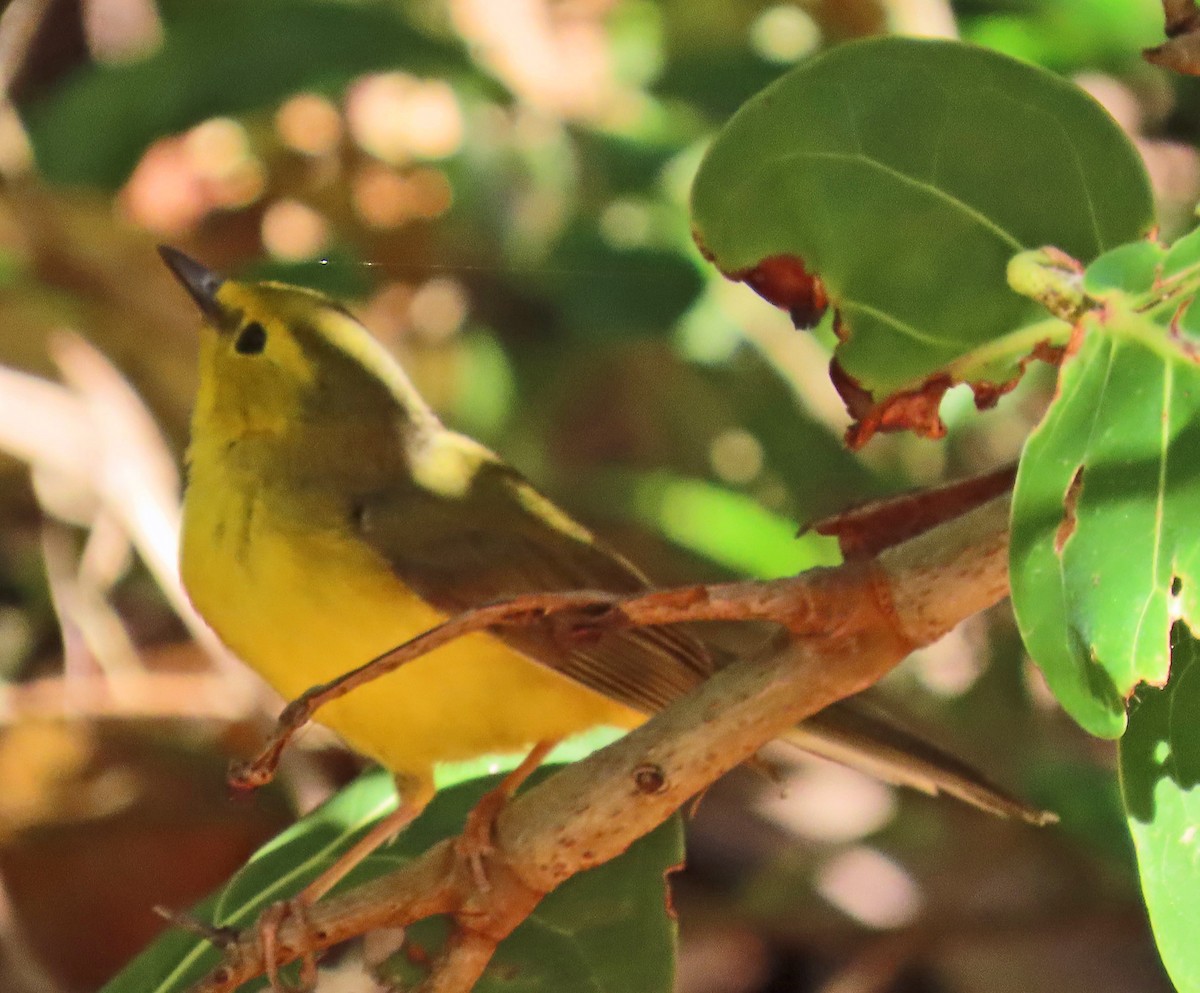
(329, 516)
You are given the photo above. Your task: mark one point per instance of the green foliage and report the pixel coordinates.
(722, 525)
(278, 870)
(338, 273)
(565, 944)
(881, 162)
(813, 465)
(568, 942)
(604, 291)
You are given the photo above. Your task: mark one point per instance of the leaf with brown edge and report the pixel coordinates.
(918, 410)
(893, 179)
(913, 410)
(783, 281)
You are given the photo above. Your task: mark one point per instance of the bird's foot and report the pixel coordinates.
(310, 940)
(477, 840)
(269, 924)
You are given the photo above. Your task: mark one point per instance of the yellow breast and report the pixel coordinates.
(300, 600)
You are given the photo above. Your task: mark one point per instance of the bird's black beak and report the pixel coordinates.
(201, 282)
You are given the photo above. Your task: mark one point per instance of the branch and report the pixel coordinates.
(849, 626)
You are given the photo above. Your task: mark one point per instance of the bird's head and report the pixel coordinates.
(276, 359)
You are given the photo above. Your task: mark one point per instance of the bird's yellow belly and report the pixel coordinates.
(303, 608)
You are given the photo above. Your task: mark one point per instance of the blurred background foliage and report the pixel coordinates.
(499, 188)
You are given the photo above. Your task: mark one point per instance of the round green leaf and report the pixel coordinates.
(904, 174)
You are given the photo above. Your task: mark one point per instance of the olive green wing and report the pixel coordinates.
(501, 539)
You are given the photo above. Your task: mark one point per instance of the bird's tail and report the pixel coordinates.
(854, 733)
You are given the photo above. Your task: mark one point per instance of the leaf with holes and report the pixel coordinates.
(893, 179)
(1160, 776)
(1104, 555)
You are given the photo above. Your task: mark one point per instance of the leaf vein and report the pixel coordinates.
(900, 325)
(978, 217)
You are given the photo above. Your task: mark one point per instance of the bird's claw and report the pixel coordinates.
(269, 924)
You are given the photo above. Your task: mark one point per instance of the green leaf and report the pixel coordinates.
(567, 943)
(278, 870)
(1104, 556)
(1160, 772)
(608, 930)
(1183, 256)
(221, 57)
(1127, 269)
(904, 174)
(725, 526)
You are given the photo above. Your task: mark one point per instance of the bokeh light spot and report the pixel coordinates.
(438, 309)
(293, 231)
(384, 198)
(736, 456)
(827, 802)
(217, 148)
(866, 885)
(784, 34)
(310, 124)
(396, 117)
(625, 223)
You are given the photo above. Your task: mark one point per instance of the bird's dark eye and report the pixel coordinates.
(251, 340)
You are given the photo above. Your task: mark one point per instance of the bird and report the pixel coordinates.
(329, 516)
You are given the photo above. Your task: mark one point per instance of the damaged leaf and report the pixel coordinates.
(894, 178)
(1104, 556)
(783, 281)
(1160, 770)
